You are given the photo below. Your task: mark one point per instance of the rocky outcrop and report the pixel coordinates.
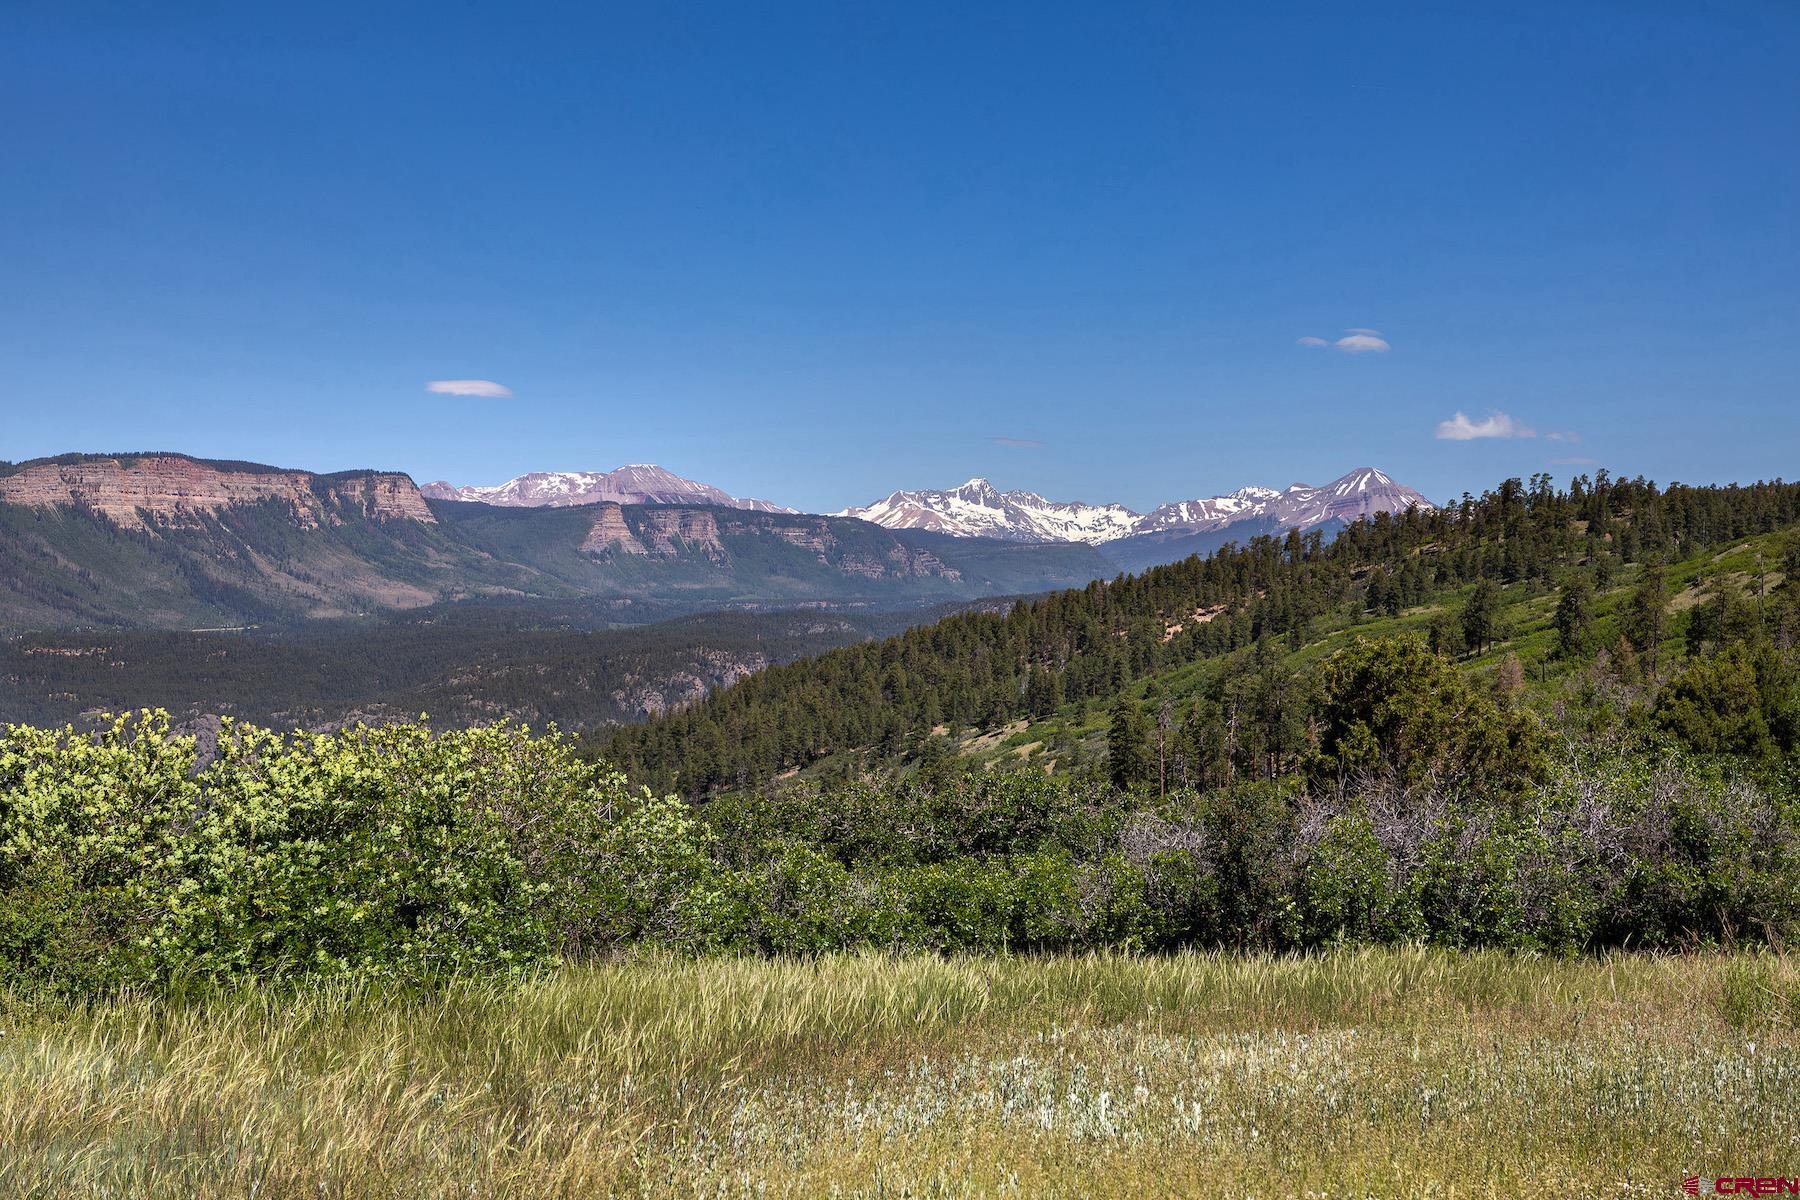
(609, 534)
(906, 560)
(710, 670)
(170, 489)
(380, 496)
(668, 531)
(814, 534)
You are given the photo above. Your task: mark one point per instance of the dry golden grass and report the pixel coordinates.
(1375, 1073)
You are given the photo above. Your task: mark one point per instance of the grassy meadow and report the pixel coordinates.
(1361, 1073)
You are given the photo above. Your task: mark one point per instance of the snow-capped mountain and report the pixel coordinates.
(638, 483)
(1362, 493)
(976, 509)
(1213, 513)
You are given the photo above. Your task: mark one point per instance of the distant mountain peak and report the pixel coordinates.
(978, 509)
(633, 483)
(979, 491)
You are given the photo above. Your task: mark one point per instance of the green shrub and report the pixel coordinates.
(388, 851)
(803, 902)
(1349, 891)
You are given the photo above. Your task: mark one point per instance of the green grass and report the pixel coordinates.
(1390, 1073)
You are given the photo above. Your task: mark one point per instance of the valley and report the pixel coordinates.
(578, 664)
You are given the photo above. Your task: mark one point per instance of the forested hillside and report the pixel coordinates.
(571, 663)
(1206, 652)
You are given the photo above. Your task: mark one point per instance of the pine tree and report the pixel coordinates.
(1647, 614)
(1044, 692)
(1165, 721)
(1445, 635)
(1128, 745)
(1481, 616)
(1574, 614)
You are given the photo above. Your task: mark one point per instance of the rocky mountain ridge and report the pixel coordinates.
(141, 490)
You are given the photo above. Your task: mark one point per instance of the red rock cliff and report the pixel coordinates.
(176, 490)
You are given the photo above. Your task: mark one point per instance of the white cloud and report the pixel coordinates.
(1496, 425)
(469, 387)
(1354, 341)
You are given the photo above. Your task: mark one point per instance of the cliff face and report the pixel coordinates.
(610, 534)
(173, 490)
(379, 496)
(671, 530)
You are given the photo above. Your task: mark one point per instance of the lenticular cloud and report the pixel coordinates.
(1354, 341)
(469, 387)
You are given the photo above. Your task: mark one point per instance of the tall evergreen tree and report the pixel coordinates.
(1445, 635)
(1647, 614)
(1574, 615)
(1128, 759)
(1481, 616)
(1165, 722)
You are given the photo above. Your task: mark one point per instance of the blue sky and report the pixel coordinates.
(816, 252)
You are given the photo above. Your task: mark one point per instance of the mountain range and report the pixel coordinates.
(978, 509)
(166, 540)
(636, 483)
